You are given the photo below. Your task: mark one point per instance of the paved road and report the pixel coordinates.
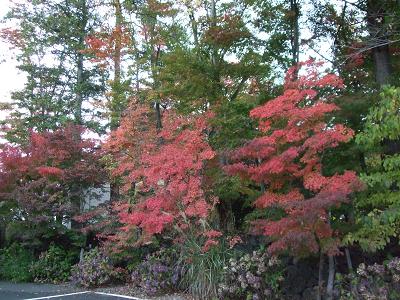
(25, 291)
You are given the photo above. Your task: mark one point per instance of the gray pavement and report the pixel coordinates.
(24, 291)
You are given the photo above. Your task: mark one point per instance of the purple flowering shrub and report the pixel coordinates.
(371, 282)
(96, 269)
(254, 276)
(157, 273)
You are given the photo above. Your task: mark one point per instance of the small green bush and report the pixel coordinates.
(96, 269)
(53, 265)
(15, 263)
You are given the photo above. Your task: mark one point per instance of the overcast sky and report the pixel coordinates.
(10, 78)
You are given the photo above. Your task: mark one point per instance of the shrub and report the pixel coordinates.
(252, 276)
(95, 269)
(372, 282)
(15, 262)
(53, 265)
(157, 273)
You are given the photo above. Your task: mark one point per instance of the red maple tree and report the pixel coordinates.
(163, 170)
(286, 159)
(45, 176)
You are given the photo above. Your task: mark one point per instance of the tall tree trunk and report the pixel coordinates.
(116, 87)
(331, 278)
(376, 15)
(79, 63)
(213, 16)
(193, 24)
(79, 86)
(158, 115)
(348, 260)
(295, 32)
(117, 105)
(216, 75)
(118, 41)
(76, 189)
(320, 275)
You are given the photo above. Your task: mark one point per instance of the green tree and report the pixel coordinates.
(50, 37)
(378, 208)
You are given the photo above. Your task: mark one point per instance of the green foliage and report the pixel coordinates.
(378, 208)
(37, 236)
(50, 38)
(15, 263)
(53, 265)
(188, 77)
(232, 124)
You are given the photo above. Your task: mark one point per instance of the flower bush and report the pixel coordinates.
(372, 282)
(96, 269)
(53, 265)
(157, 273)
(252, 277)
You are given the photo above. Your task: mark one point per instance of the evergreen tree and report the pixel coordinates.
(60, 80)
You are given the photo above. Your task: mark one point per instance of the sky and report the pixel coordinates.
(10, 78)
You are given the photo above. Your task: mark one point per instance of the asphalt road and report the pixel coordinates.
(30, 291)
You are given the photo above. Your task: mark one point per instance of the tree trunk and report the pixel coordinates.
(118, 41)
(79, 85)
(295, 32)
(76, 189)
(379, 41)
(383, 69)
(193, 24)
(2, 234)
(348, 260)
(116, 86)
(117, 103)
(331, 278)
(320, 275)
(158, 116)
(79, 64)
(213, 16)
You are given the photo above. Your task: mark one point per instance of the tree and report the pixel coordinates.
(110, 47)
(286, 160)
(377, 211)
(38, 182)
(60, 82)
(162, 171)
(360, 31)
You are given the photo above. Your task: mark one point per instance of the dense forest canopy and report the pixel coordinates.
(244, 143)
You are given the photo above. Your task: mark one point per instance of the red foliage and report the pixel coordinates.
(287, 160)
(163, 169)
(43, 175)
(102, 45)
(13, 37)
(50, 171)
